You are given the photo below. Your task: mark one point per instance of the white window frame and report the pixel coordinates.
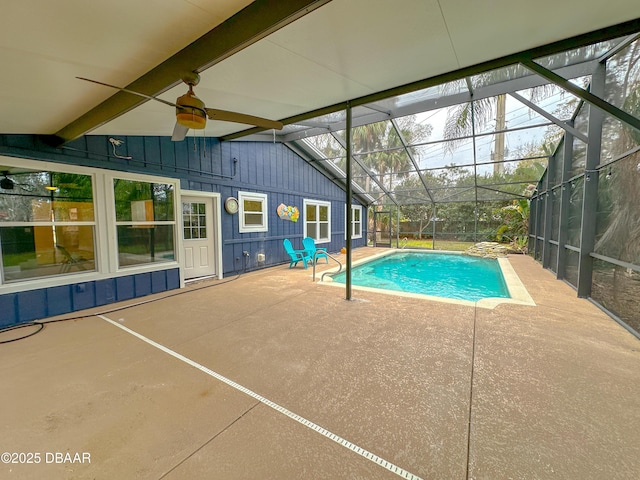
(317, 203)
(353, 223)
(262, 198)
(114, 223)
(63, 277)
(105, 242)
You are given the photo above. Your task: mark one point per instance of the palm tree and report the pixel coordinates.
(382, 149)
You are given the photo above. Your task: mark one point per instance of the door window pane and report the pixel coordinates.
(194, 220)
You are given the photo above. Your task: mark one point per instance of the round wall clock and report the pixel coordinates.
(231, 205)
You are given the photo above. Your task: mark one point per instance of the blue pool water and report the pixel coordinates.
(438, 274)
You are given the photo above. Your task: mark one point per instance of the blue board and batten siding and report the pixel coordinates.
(274, 170)
(40, 303)
(200, 165)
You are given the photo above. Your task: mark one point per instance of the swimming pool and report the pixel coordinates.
(442, 275)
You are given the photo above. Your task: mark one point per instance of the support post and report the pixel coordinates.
(398, 226)
(563, 226)
(475, 172)
(548, 212)
(590, 194)
(433, 238)
(349, 200)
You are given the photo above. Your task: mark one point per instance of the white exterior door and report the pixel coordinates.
(197, 235)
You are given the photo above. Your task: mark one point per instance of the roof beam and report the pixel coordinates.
(583, 94)
(621, 46)
(607, 33)
(313, 157)
(378, 115)
(565, 126)
(256, 21)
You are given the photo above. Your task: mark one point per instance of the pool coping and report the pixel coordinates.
(517, 290)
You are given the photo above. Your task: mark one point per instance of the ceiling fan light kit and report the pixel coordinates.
(191, 119)
(190, 110)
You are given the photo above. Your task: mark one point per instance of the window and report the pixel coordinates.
(194, 220)
(145, 222)
(356, 222)
(47, 224)
(317, 220)
(253, 212)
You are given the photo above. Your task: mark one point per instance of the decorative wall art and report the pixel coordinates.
(288, 213)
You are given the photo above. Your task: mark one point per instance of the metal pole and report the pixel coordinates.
(590, 192)
(564, 203)
(548, 211)
(349, 199)
(475, 172)
(433, 238)
(398, 226)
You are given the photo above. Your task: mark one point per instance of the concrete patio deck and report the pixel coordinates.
(272, 376)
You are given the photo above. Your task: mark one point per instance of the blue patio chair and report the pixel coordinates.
(296, 255)
(314, 253)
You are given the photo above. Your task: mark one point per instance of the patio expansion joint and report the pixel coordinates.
(471, 379)
(372, 457)
(204, 444)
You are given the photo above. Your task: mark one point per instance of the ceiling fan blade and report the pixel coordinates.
(129, 91)
(227, 116)
(179, 132)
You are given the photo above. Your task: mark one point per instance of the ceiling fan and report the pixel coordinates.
(191, 112)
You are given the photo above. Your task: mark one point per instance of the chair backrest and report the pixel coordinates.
(309, 245)
(287, 246)
(64, 252)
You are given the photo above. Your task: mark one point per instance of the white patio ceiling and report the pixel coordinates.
(340, 50)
